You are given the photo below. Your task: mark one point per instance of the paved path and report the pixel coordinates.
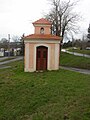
(8, 61)
(77, 54)
(3, 67)
(3, 64)
(84, 71)
(3, 58)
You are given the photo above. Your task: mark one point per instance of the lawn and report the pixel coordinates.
(51, 95)
(74, 61)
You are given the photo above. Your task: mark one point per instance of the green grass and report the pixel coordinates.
(80, 51)
(51, 95)
(74, 61)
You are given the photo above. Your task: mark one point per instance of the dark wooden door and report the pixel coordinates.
(41, 58)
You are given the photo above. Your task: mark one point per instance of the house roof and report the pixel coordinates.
(42, 21)
(42, 36)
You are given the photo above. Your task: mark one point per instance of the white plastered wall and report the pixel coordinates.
(57, 56)
(49, 65)
(27, 54)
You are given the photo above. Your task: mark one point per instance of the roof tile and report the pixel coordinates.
(42, 21)
(42, 36)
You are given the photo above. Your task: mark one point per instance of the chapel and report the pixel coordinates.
(42, 49)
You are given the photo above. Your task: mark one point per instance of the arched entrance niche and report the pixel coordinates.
(41, 58)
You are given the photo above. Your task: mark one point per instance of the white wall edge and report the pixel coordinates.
(42, 41)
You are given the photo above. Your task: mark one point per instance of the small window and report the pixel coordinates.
(42, 30)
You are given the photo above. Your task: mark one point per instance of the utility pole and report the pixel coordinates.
(8, 45)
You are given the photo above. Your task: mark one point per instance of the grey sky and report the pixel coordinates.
(16, 16)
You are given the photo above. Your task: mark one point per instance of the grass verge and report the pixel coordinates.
(74, 61)
(51, 95)
(80, 51)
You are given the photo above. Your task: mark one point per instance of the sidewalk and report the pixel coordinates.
(3, 64)
(3, 58)
(8, 61)
(84, 71)
(76, 54)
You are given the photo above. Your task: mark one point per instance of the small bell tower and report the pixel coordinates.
(42, 26)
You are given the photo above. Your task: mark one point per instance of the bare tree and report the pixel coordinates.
(4, 43)
(22, 44)
(88, 36)
(4, 40)
(64, 19)
(16, 38)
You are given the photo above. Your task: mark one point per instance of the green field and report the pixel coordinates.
(74, 61)
(51, 95)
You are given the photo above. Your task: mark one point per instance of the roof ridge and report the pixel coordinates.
(42, 21)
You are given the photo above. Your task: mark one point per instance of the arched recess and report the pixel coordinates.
(41, 58)
(42, 30)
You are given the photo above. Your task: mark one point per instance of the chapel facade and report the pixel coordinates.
(42, 49)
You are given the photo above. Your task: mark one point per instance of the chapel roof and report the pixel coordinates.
(42, 21)
(42, 37)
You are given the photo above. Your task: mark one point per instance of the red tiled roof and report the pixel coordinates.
(42, 36)
(42, 21)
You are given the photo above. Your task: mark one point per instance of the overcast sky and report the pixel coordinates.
(16, 16)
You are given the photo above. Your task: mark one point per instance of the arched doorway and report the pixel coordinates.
(41, 58)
